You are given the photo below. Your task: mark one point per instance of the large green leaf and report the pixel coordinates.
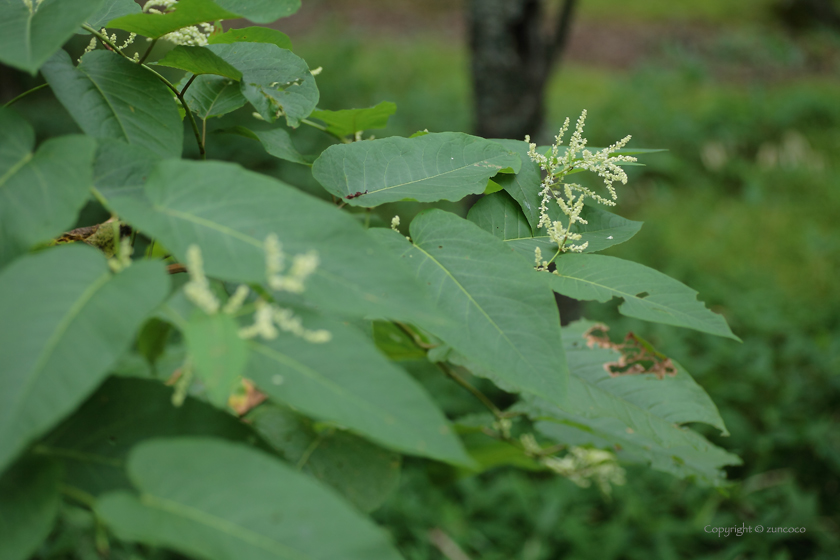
(94, 442)
(348, 382)
(229, 212)
(58, 339)
(199, 60)
(499, 214)
(252, 35)
(41, 192)
(193, 12)
(350, 121)
(648, 294)
(217, 352)
(363, 473)
(677, 399)
(110, 10)
(30, 34)
(223, 501)
(502, 317)
(276, 142)
(275, 81)
(214, 96)
(443, 166)
(636, 414)
(28, 507)
(121, 169)
(111, 97)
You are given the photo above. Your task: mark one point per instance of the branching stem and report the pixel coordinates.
(106, 41)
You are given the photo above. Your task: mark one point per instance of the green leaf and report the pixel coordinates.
(223, 501)
(363, 473)
(350, 121)
(121, 169)
(28, 37)
(214, 96)
(58, 339)
(501, 316)
(442, 166)
(229, 212)
(348, 382)
(41, 193)
(252, 35)
(261, 11)
(500, 215)
(185, 13)
(199, 60)
(110, 10)
(276, 141)
(273, 80)
(677, 399)
(217, 353)
(111, 97)
(29, 506)
(525, 186)
(94, 442)
(648, 294)
(637, 414)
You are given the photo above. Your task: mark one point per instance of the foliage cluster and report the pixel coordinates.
(289, 330)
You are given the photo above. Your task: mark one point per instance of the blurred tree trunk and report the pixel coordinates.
(514, 49)
(808, 13)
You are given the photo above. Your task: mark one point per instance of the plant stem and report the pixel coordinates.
(24, 94)
(148, 51)
(189, 83)
(105, 40)
(79, 495)
(476, 393)
(414, 336)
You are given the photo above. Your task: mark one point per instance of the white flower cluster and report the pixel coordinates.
(192, 36)
(572, 196)
(32, 7)
(583, 465)
(122, 257)
(267, 315)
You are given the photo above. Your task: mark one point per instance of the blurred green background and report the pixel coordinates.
(743, 208)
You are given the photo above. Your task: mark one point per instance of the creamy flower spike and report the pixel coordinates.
(302, 267)
(197, 290)
(570, 197)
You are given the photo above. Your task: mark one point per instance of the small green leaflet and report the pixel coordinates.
(199, 60)
(502, 316)
(275, 81)
(363, 473)
(223, 501)
(31, 499)
(276, 141)
(435, 166)
(217, 353)
(213, 96)
(30, 35)
(648, 294)
(41, 192)
(500, 215)
(111, 97)
(350, 121)
(58, 340)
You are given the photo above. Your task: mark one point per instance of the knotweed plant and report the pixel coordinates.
(556, 164)
(303, 375)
